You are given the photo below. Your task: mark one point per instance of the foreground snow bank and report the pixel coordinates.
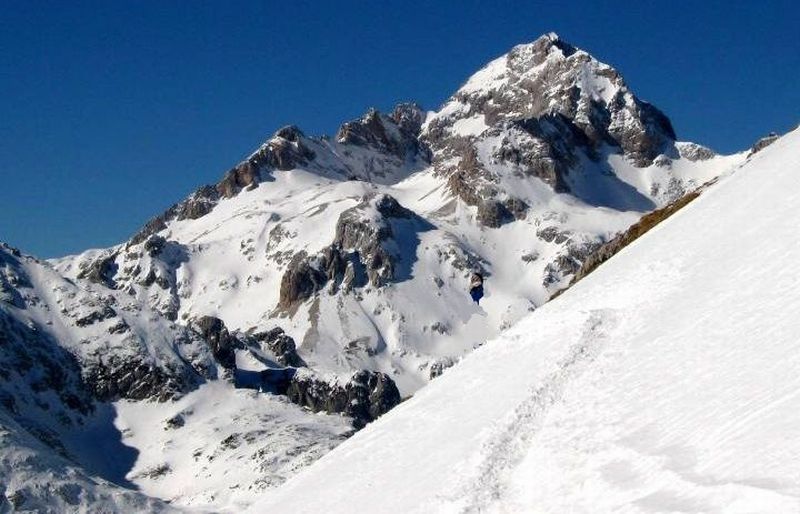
(664, 381)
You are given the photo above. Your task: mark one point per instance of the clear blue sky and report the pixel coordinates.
(112, 111)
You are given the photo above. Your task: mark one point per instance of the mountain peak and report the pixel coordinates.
(546, 67)
(552, 78)
(290, 133)
(553, 103)
(551, 40)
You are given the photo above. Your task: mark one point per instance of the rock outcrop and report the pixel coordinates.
(365, 397)
(29, 357)
(364, 250)
(277, 342)
(376, 147)
(134, 268)
(395, 134)
(286, 149)
(113, 360)
(367, 229)
(695, 152)
(222, 344)
(763, 143)
(11, 278)
(305, 275)
(101, 271)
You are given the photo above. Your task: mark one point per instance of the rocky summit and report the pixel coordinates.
(251, 327)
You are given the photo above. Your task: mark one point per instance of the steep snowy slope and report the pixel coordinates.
(665, 381)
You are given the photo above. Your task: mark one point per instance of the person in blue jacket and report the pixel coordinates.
(476, 287)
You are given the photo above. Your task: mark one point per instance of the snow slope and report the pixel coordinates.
(218, 447)
(665, 381)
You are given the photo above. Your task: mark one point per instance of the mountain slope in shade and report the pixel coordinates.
(666, 380)
(37, 479)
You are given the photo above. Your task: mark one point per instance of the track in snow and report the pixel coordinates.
(511, 440)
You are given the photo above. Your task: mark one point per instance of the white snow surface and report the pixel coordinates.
(229, 445)
(665, 381)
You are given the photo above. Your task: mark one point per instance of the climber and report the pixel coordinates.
(476, 287)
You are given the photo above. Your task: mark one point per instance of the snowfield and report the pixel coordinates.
(665, 381)
(218, 447)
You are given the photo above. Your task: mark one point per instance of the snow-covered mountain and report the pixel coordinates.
(664, 381)
(360, 247)
(322, 275)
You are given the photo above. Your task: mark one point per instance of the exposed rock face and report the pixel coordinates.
(116, 377)
(282, 346)
(101, 271)
(695, 152)
(567, 263)
(358, 230)
(11, 279)
(543, 147)
(28, 356)
(364, 397)
(472, 183)
(763, 143)
(409, 118)
(35, 358)
(113, 361)
(543, 108)
(364, 245)
(104, 313)
(276, 380)
(155, 245)
(304, 277)
(134, 268)
(198, 204)
(395, 134)
(223, 345)
(286, 150)
(438, 367)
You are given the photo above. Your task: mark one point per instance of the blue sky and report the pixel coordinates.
(112, 111)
